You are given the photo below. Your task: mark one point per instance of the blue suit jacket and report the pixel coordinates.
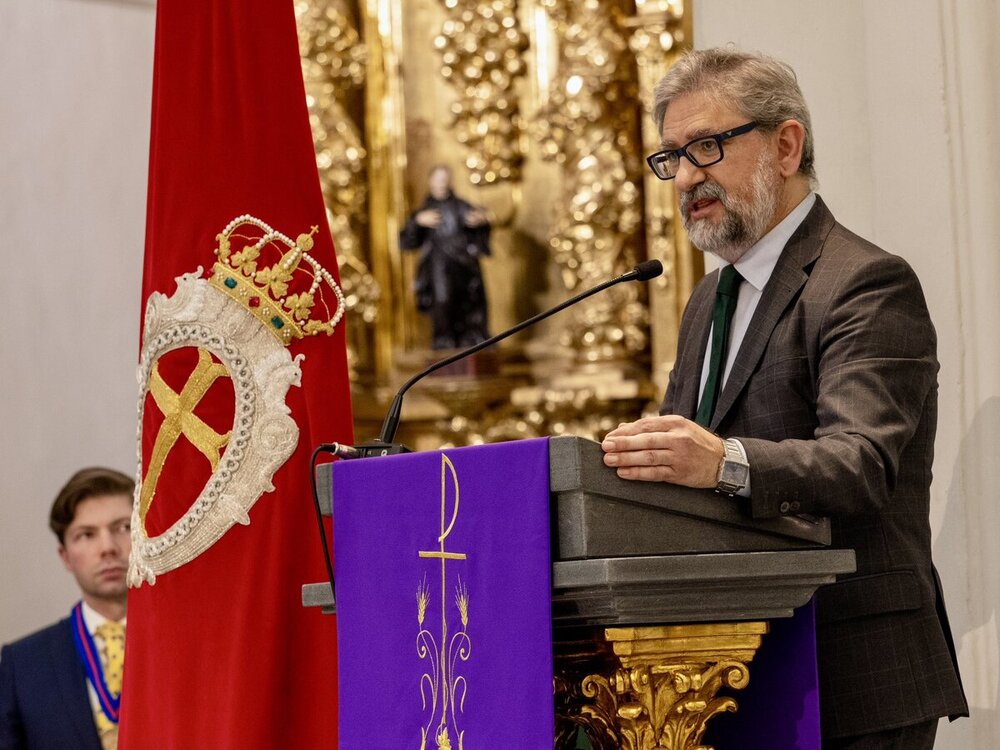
(43, 694)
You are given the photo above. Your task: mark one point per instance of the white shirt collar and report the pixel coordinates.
(94, 619)
(757, 264)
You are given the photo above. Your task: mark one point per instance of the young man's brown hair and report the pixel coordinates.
(86, 483)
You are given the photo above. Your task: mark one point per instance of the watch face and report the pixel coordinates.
(734, 474)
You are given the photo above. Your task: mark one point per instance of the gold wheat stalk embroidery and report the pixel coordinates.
(447, 683)
(423, 599)
(426, 649)
(460, 647)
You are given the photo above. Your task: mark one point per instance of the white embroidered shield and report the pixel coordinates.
(232, 330)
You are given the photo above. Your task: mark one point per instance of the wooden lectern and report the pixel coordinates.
(661, 597)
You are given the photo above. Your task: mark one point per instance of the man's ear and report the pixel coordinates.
(64, 556)
(790, 138)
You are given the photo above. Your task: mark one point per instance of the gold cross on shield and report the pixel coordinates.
(180, 419)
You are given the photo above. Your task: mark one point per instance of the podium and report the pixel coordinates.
(661, 596)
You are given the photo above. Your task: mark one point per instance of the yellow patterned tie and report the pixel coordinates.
(112, 635)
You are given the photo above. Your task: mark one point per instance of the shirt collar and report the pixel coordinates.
(94, 619)
(759, 261)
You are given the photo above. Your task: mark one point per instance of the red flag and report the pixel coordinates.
(220, 652)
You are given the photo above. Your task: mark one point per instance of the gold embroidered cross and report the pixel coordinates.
(446, 467)
(180, 419)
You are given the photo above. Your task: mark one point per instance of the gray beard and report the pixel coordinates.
(744, 222)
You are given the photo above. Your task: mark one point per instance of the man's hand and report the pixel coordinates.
(429, 218)
(665, 449)
(475, 217)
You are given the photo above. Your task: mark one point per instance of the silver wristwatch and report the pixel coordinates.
(734, 471)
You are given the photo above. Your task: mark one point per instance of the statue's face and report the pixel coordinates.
(439, 183)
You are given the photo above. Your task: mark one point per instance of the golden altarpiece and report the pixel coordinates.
(540, 108)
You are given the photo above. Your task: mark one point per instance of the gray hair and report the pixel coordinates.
(760, 87)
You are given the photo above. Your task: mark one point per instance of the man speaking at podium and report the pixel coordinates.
(805, 383)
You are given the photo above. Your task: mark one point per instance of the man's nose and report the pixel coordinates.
(110, 544)
(688, 175)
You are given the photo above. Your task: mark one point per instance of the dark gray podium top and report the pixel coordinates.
(598, 514)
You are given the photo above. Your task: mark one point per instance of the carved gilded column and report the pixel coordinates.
(589, 125)
(481, 46)
(385, 134)
(334, 64)
(660, 32)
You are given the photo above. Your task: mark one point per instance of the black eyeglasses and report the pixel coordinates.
(702, 152)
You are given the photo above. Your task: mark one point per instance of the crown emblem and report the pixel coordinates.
(290, 296)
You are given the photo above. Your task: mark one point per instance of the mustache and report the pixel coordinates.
(702, 192)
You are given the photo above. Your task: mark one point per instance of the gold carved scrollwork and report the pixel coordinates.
(664, 689)
(481, 46)
(333, 69)
(668, 707)
(581, 707)
(590, 126)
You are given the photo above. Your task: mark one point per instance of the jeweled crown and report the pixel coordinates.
(289, 296)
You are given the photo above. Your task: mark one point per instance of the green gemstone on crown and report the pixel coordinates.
(277, 322)
(230, 282)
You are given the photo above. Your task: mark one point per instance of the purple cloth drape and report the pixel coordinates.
(779, 709)
(443, 579)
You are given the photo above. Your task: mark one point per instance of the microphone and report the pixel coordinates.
(383, 445)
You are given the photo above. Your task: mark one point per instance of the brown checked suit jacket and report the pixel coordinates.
(833, 393)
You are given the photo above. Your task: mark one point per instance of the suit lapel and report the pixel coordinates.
(788, 277)
(72, 686)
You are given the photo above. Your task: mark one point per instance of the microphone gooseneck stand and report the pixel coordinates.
(383, 445)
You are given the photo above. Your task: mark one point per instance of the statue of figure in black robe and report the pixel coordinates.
(451, 235)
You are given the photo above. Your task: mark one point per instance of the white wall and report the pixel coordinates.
(75, 82)
(905, 103)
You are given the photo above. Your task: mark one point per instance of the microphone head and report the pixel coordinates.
(648, 269)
